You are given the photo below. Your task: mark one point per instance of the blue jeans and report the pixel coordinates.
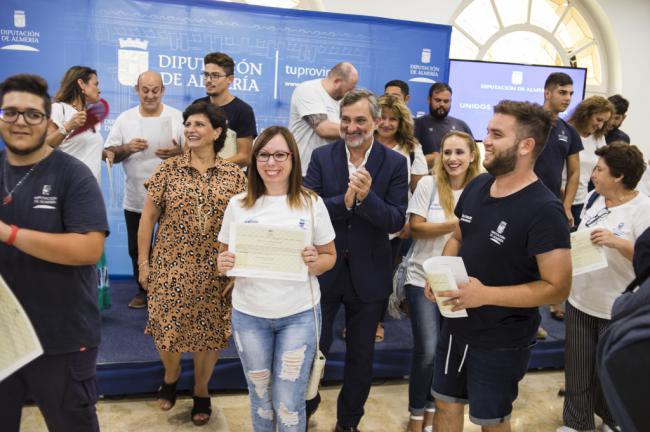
(277, 355)
(425, 326)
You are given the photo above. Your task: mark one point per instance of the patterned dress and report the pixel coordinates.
(186, 310)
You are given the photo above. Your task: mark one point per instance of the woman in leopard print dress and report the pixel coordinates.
(187, 196)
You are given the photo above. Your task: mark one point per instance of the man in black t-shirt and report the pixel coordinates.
(218, 75)
(52, 230)
(562, 150)
(614, 132)
(514, 241)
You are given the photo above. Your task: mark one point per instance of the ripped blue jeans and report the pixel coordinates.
(276, 355)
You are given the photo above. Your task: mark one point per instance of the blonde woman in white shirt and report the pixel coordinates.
(432, 220)
(274, 320)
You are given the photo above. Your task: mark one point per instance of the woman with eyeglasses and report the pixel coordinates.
(188, 308)
(616, 214)
(589, 118)
(80, 88)
(274, 321)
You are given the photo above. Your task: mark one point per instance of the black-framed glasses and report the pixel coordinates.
(598, 216)
(213, 75)
(278, 156)
(31, 116)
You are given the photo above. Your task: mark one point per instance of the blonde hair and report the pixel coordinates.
(404, 135)
(443, 182)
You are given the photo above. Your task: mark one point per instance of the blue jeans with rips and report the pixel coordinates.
(276, 355)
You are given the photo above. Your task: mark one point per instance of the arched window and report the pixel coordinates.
(552, 32)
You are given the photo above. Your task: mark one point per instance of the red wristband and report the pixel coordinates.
(12, 235)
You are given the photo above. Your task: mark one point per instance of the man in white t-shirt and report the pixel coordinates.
(140, 138)
(314, 114)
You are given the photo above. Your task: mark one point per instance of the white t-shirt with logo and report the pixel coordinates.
(268, 298)
(87, 146)
(310, 98)
(434, 213)
(141, 165)
(594, 293)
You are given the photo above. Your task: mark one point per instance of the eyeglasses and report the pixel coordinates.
(278, 156)
(32, 117)
(213, 75)
(601, 214)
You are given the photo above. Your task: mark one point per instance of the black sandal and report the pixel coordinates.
(167, 392)
(201, 406)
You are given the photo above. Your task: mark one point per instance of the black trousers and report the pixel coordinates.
(361, 320)
(64, 388)
(132, 223)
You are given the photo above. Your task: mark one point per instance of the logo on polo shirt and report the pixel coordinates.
(562, 137)
(466, 218)
(497, 236)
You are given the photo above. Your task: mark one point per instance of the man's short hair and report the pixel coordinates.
(342, 70)
(221, 59)
(357, 94)
(398, 83)
(439, 87)
(557, 79)
(27, 83)
(532, 121)
(620, 104)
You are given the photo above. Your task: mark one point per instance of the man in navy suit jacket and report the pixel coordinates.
(365, 188)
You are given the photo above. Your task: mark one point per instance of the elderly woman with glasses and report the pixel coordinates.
(616, 215)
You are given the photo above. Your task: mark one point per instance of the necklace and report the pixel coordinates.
(203, 207)
(8, 199)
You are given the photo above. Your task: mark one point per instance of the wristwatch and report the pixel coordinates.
(63, 131)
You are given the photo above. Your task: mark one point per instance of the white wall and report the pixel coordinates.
(628, 43)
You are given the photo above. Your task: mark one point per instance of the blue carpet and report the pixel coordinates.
(128, 362)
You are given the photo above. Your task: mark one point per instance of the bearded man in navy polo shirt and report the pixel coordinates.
(513, 237)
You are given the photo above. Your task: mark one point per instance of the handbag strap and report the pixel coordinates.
(434, 190)
(311, 285)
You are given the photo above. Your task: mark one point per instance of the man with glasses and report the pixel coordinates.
(140, 138)
(218, 75)
(52, 230)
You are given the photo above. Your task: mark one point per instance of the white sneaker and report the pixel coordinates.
(428, 429)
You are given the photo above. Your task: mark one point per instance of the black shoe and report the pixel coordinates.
(340, 428)
(311, 406)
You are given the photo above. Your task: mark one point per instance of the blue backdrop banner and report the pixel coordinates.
(274, 50)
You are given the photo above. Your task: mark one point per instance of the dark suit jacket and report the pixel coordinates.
(362, 233)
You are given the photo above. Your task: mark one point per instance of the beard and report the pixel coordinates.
(356, 141)
(439, 113)
(28, 150)
(503, 162)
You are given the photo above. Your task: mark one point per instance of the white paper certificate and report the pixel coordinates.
(585, 255)
(267, 251)
(18, 341)
(158, 133)
(444, 274)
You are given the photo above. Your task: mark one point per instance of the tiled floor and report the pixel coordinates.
(538, 409)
